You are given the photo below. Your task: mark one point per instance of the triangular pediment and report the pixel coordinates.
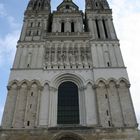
(67, 6)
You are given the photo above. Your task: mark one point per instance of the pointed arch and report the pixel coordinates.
(13, 82)
(112, 80)
(89, 82)
(123, 80)
(100, 80)
(24, 81)
(35, 82)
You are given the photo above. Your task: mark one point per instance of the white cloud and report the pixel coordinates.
(8, 47)
(8, 18)
(9, 41)
(2, 10)
(126, 15)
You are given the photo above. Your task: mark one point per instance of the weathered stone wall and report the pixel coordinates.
(75, 133)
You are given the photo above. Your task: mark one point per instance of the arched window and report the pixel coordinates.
(68, 104)
(62, 27)
(72, 27)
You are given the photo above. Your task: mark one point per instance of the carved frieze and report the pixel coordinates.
(67, 55)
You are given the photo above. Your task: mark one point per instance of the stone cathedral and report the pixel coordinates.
(68, 80)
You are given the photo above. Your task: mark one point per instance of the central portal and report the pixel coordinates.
(68, 104)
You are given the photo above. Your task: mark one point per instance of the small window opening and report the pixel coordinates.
(89, 67)
(64, 67)
(67, 6)
(29, 33)
(96, 4)
(71, 67)
(30, 106)
(28, 65)
(83, 66)
(31, 24)
(107, 112)
(39, 5)
(58, 67)
(39, 24)
(72, 27)
(108, 64)
(28, 123)
(37, 32)
(32, 93)
(77, 67)
(106, 96)
(46, 67)
(109, 123)
(62, 27)
(52, 67)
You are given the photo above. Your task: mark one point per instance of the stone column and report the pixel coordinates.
(79, 54)
(112, 29)
(90, 25)
(40, 58)
(101, 28)
(82, 106)
(91, 116)
(38, 106)
(44, 106)
(67, 26)
(21, 106)
(53, 107)
(54, 26)
(10, 106)
(95, 35)
(107, 28)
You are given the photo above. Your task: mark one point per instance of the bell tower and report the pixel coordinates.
(68, 80)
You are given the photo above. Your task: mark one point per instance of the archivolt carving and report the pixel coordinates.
(56, 81)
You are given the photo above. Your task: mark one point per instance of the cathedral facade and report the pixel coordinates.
(68, 80)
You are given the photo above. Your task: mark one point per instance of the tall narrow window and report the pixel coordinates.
(67, 6)
(62, 27)
(72, 27)
(98, 31)
(105, 29)
(68, 104)
(31, 24)
(39, 24)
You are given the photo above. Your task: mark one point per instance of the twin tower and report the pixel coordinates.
(68, 80)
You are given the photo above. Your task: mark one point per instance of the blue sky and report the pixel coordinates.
(126, 14)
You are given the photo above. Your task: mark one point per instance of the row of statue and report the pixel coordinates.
(68, 55)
